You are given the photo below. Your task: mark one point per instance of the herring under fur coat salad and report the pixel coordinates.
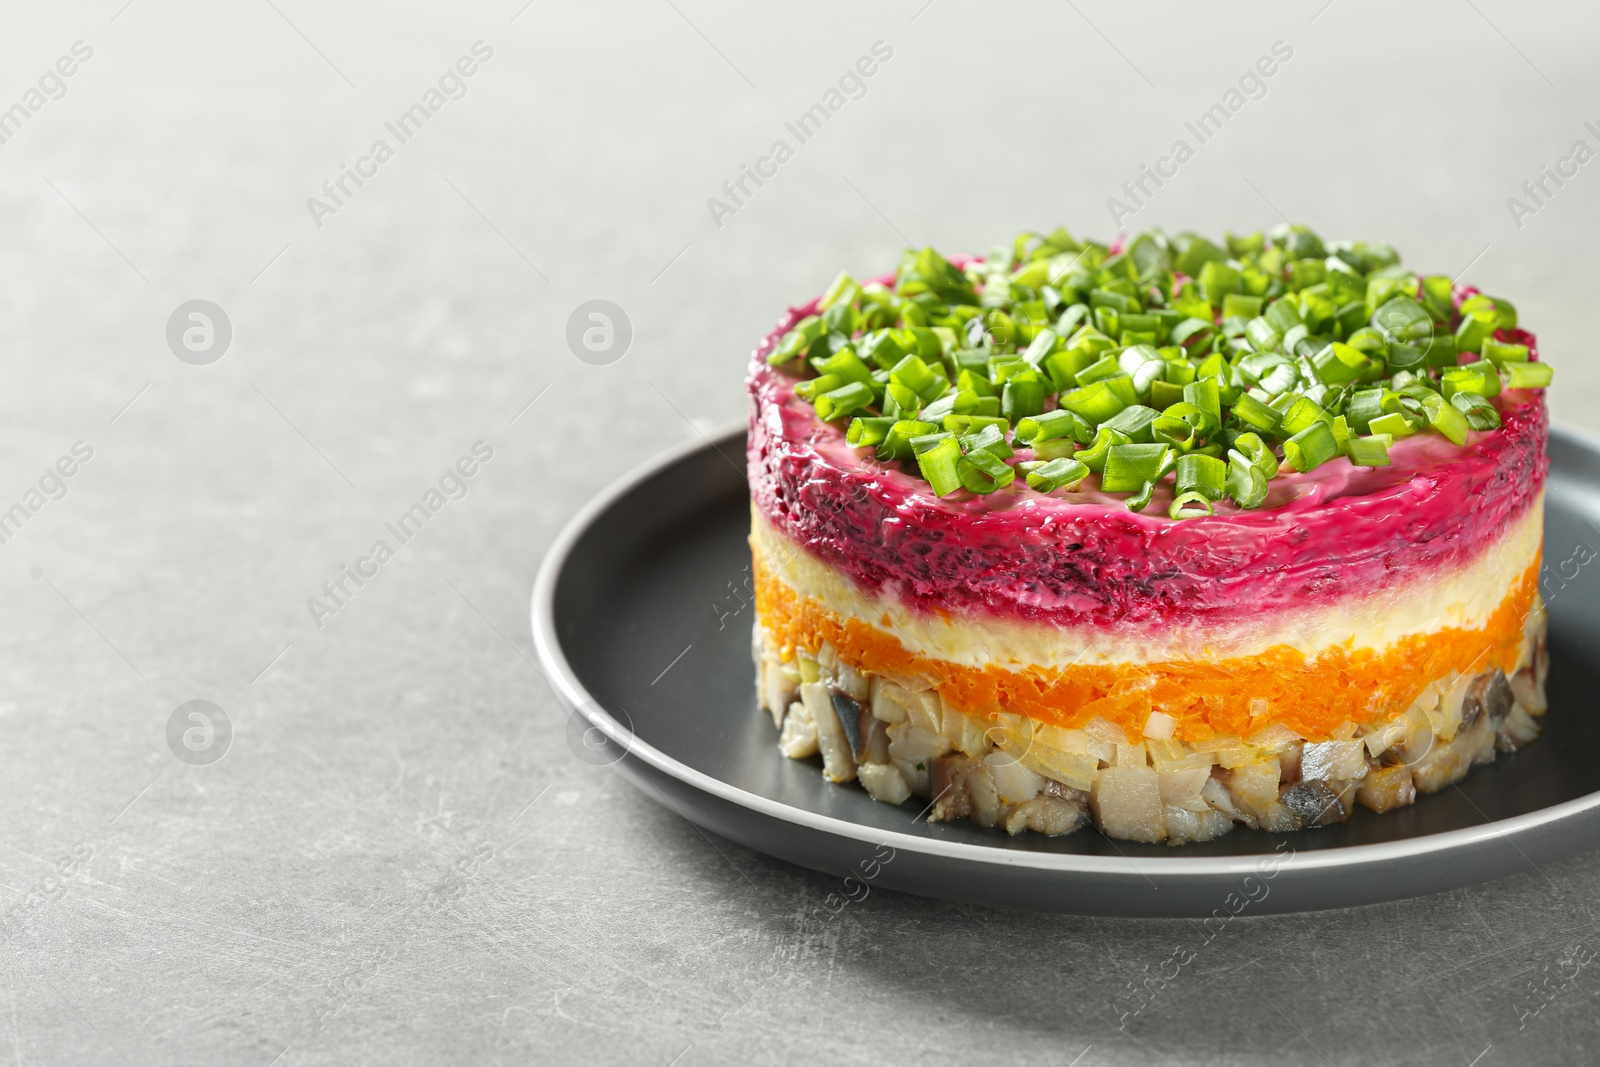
(1170, 534)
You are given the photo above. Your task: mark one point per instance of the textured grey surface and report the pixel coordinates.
(398, 860)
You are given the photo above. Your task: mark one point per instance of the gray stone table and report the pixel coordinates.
(398, 860)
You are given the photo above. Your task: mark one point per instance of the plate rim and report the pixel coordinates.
(580, 701)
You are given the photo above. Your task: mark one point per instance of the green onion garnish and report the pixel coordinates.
(1129, 467)
(1206, 475)
(1047, 427)
(1370, 451)
(1178, 356)
(1056, 474)
(984, 472)
(897, 444)
(866, 432)
(1191, 505)
(939, 465)
(1446, 418)
(1311, 447)
(1481, 415)
(844, 401)
(1528, 375)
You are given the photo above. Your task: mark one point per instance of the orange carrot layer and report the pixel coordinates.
(1313, 697)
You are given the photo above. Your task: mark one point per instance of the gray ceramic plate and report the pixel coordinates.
(642, 619)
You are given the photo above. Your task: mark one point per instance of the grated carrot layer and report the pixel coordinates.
(1314, 697)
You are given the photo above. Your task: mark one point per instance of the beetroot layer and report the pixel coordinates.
(1335, 531)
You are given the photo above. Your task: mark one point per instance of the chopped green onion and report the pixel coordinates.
(1528, 375)
(983, 472)
(1445, 418)
(811, 388)
(990, 439)
(1044, 342)
(1193, 334)
(1480, 378)
(1141, 499)
(1057, 474)
(1168, 352)
(844, 401)
(1204, 395)
(1058, 448)
(1402, 319)
(1393, 424)
(1131, 466)
(1046, 427)
(1480, 413)
(913, 374)
(868, 431)
(1254, 451)
(1135, 421)
(1370, 451)
(1256, 415)
(1094, 457)
(846, 364)
(939, 466)
(1101, 369)
(1311, 447)
(1202, 474)
(1241, 305)
(956, 402)
(799, 339)
(1191, 505)
(965, 424)
(1301, 415)
(1262, 337)
(897, 444)
(1171, 430)
(1338, 364)
(1247, 483)
(1022, 398)
(1095, 402)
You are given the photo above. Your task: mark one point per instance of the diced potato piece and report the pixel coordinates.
(1254, 786)
(1386, 788)
(884, 783)
(1181, 789)
(1127, 803)
(1014, 782)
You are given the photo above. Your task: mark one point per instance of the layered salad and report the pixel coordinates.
(1168, 534)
